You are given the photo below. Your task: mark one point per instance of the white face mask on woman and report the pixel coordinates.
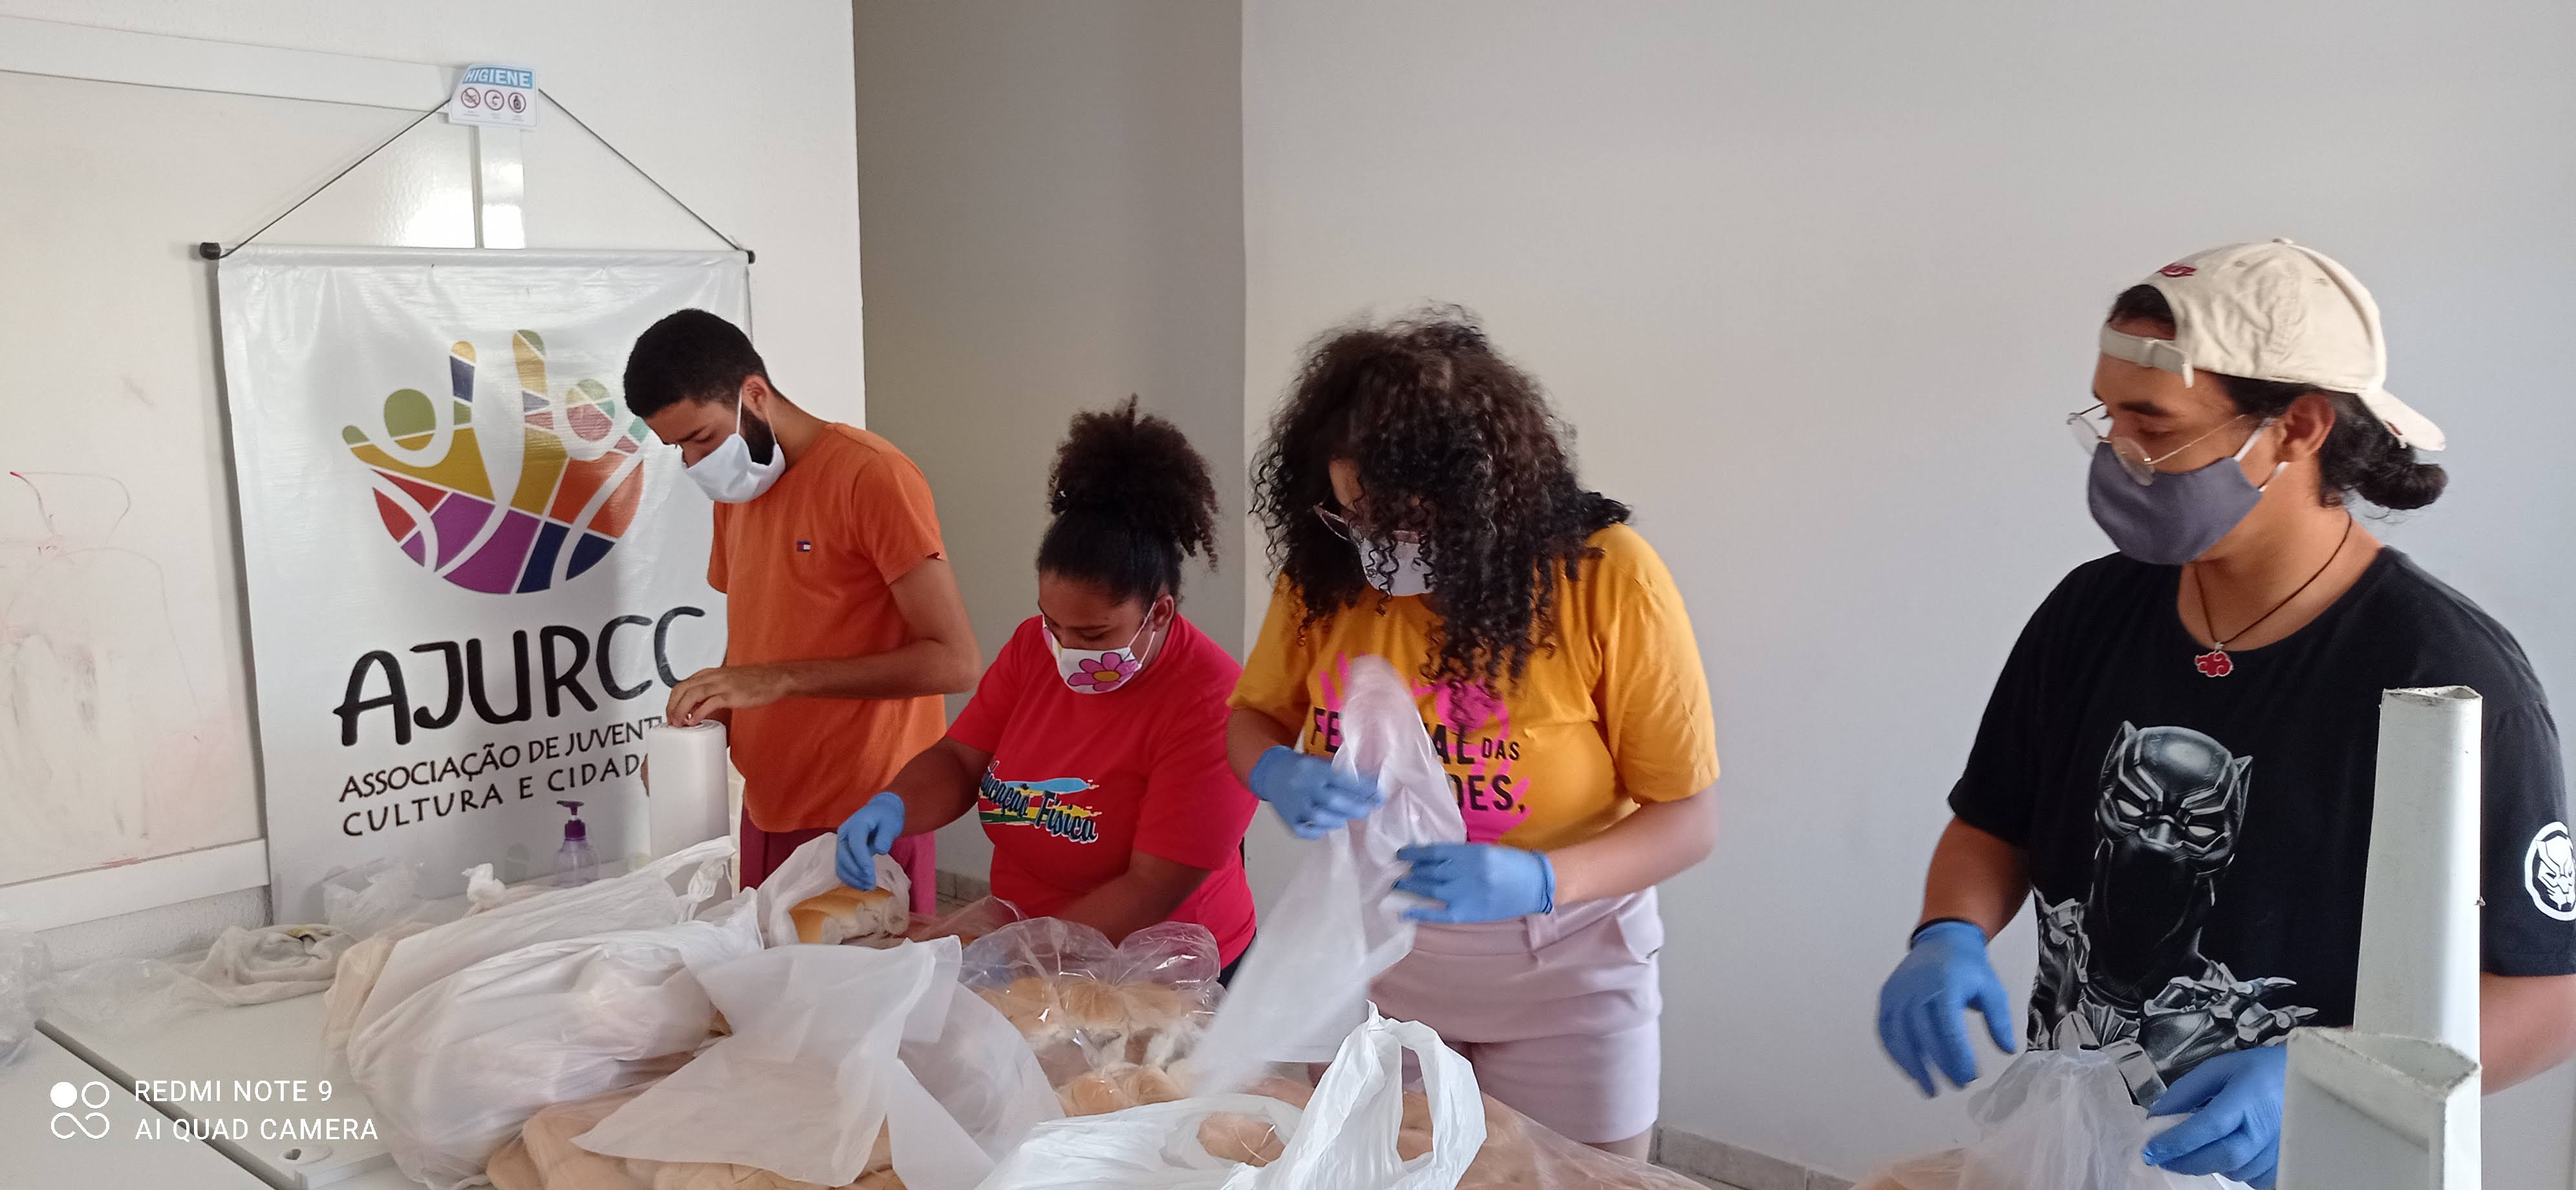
(1395, 567)
(1094, 671)
(729, 476)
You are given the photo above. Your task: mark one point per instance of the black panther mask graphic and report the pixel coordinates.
(2123, 963)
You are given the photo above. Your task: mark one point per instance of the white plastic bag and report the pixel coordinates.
(1304, 984)
(816, 1065)
(640, 900)
(1345, 1139)
(456, 1068)
(353, 980)
(2050, 1120)
(809, 871)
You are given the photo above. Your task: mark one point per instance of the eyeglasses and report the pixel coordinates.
(2092, 428)
(1340, 525)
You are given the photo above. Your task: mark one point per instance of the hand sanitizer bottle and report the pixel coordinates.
(575, 862)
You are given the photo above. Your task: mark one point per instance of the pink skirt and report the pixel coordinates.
(1558, 1012)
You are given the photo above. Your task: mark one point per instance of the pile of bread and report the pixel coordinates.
(1081, 1023)
(544, 1157)
(1509, 1160)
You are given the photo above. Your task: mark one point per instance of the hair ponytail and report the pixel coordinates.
(1130, 500)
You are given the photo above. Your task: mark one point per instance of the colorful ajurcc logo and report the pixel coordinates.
(580, 477)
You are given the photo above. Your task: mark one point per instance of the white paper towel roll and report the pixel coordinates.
(684, 803)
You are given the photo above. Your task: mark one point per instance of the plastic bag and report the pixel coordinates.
(830, 1045)
(455, 1069)
(484, 891)
(26, 975)
(242, 967)
(544, 1157)
(1088, 1006)
(354, 979)
(1304, 984)
(371, 898)
(808, 871)
(1346, 1137)
(640, 900)
(969, 923)
(2050, 1120)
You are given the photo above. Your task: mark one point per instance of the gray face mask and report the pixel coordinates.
(2179, 516)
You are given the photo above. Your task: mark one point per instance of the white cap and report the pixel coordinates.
(2275, 311)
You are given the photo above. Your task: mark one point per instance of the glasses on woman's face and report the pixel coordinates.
(2092, 428)
(1339, 524)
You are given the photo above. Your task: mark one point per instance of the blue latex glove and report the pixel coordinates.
(2235, 1125)
(1310, 797)
(1478, 881)
(1922, 1007)
(866, 835)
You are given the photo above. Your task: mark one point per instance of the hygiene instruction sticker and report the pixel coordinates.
(503, 96)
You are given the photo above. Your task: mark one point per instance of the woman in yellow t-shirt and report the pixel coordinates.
(1423, 509)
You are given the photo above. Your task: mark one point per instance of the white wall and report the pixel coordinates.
(1061, 189)
(1817, 283)
(111, 185)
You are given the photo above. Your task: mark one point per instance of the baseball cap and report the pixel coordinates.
(2281, 312)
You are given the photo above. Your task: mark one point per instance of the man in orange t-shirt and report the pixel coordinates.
(843, 622)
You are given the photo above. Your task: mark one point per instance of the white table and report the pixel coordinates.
(44, 1151)
(270, 1042)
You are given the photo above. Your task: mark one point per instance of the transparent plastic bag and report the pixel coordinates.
(243, 966)
(26, 977)
(969, 923)
(371, 898)
(2050, 1120)
(640, 900)
(833, 1049)
(1304, 984)
(1087, 1006)
(457, 1068)
(1349, 1135)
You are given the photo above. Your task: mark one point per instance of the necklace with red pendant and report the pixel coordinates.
(2216, 663)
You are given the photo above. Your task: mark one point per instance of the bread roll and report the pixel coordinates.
(1030, 1005)
(1094, 1009)
(510, 1168)
(1228, 1136)
(716, 1175)
(546, 1139)
(1286, 1090)
(1145, 1084)
(1412, 1143)
(1093, 1094)
(847, 913)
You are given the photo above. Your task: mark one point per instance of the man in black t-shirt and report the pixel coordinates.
(2176, 766)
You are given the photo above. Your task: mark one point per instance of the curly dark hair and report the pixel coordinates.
(2360, 457)
(1455, 444)
(1130, 498)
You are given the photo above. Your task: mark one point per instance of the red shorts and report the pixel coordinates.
(917, 855)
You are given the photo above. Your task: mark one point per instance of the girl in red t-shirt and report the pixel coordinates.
(1094, 748)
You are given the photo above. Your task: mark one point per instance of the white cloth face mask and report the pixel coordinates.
(729, 476)
(1395, 567)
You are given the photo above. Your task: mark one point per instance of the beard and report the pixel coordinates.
(757, 435)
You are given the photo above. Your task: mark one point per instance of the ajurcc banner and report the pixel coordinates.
(473, 573)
